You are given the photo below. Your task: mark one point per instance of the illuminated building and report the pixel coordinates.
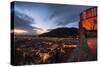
(88, 21)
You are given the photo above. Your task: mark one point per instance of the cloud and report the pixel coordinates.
(23, 22)
(65, 14)
(74, 24)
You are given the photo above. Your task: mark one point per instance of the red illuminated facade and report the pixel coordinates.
(88, 19)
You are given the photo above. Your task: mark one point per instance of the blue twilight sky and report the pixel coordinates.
(34, 17)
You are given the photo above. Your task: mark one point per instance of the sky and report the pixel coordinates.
(37, 18)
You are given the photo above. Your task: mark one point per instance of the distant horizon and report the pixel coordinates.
(22, 32)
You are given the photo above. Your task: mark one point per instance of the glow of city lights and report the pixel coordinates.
(19, 31)
(44, 56)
